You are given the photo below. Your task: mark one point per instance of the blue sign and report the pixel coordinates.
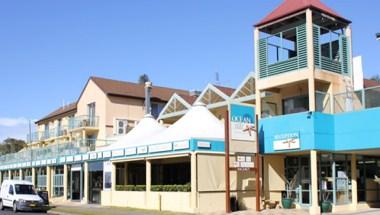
(242, 122)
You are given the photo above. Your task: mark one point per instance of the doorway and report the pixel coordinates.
(76, 182)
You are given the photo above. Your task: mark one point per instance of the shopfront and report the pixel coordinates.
(95, 181)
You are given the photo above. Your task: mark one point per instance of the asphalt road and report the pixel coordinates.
(8, 211)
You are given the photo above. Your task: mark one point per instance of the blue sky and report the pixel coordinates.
(48, 49)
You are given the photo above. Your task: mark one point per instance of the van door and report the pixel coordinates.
(9, 195)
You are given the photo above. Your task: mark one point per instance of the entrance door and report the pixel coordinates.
(76, 183)
(297, 170)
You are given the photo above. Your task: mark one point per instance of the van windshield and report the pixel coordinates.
(24, 189)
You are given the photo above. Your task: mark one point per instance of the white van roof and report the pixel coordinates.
(18, 182)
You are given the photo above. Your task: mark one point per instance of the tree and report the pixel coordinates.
(376, 78)
(11, 145)
(143, 78)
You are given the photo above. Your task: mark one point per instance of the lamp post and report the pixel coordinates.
(377, 36)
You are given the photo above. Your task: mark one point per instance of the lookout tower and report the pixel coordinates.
(302, 56)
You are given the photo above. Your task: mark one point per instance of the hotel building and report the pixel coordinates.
(318, 131)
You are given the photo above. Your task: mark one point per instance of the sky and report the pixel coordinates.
(49, 49)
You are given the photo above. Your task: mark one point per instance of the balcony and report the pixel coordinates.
(84, 121)
(357, 100)
(56, 150)
(46, 135)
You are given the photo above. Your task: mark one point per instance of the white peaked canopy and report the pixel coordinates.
(198, 122)
(146, 128)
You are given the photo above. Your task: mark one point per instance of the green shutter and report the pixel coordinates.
(301, 46)
(317, 47)
(263, 58)
(345, 55)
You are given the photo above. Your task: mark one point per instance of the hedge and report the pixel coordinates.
(130, 187)
(172, 188)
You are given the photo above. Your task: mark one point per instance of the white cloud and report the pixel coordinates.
(12, 122)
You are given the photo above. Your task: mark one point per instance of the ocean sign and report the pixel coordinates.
(242, 122)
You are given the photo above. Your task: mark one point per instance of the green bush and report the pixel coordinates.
(172, 188)
(130, 187)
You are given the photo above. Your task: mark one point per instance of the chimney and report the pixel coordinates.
(148, 93)
(195, 93)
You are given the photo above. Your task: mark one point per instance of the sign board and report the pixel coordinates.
(286, 141)
(244, 162)
(242, 122)
(107, 171)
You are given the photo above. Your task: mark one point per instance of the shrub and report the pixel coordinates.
(130, 187)
(172, 188)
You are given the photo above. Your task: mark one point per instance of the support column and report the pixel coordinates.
(34, 176)
(148, 180)
(125, 173)
(310, 58)
(257, 92)
(311, 87)
(21, 175)
(314, 209)
(193, 166)
(9, 174)
(65, 175)
(1, 177)
(113, 177)
(354, 185)
(85, 183)
(48, 181)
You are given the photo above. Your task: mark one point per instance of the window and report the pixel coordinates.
(24, 189)
(156, 109)
(58, 181)
(282, 46)
(121, 126)
(91, 114)
(10, 189)
(296, 104)
(329, 42)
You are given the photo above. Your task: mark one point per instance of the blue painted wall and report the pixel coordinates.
(346, 131)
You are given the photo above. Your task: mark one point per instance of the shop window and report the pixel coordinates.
(58, 181)
(170, 174)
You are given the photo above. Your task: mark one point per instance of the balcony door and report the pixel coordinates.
(91, 113)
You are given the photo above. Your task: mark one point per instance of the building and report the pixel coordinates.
(105, 108)
(318, 134)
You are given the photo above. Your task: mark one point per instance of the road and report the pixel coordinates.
(8, 211)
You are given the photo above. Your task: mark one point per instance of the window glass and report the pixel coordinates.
(10, 189)
(296, 104)
(24, 189)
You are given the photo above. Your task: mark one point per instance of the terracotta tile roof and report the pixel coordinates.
(68, 109)
(370, 83)
(289, 7)
(129, 89)
(188, 98)
(226, 90)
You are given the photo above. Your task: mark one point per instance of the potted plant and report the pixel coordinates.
(326, 205)
(287, 201)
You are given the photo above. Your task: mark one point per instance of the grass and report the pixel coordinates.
(83, 210)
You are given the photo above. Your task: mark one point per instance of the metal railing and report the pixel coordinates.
(83, 121)
(55, 150)
(357, 100)
(44, 135)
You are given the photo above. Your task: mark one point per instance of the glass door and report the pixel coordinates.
(76, 183)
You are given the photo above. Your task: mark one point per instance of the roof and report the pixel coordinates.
(370, 83)
(129, 89)
(226, 90)
(60, 111)
(289, 7)
(188, 98)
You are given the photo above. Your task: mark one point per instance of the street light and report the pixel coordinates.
(378, 36)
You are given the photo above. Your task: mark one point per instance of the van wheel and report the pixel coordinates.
(1, 205)
(15, 207)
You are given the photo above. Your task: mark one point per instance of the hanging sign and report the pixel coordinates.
(242, 122)
(286, 141)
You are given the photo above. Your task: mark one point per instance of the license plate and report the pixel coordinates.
(32, 205)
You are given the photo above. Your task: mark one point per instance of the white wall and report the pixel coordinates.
(358, 72)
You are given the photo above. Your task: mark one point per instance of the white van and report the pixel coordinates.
(20, 195)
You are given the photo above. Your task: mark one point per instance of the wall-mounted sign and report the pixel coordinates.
(244, 162)
(107, 169)
(286, 141)
(161, 147)
(130, 151)
(181, 145)
(142, 150)
(242, 122)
